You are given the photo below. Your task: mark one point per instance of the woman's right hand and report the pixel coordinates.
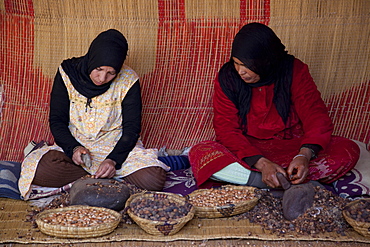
(77, 158)
(269, 170)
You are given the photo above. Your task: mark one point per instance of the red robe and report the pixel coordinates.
(267, 135)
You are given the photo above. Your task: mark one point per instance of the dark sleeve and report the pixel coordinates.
(315, 149)
(59, 117)
(131, 125)
(252, 160)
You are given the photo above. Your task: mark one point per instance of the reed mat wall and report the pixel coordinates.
(177, 47)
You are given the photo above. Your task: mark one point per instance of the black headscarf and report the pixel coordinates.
(109, 48)
(261, 51)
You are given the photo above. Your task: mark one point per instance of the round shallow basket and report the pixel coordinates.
(160, 227)
(361, 227)
(73, 231)
(223, 210)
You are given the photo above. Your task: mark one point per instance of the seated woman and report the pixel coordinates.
(268, 118)
(95, 109)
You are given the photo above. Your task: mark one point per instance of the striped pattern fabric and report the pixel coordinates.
(177, 47)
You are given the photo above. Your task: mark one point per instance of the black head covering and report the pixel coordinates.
(109, 48)
(261, 51)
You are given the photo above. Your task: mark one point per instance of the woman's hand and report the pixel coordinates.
(106, 169)
(76, 157)
(298, 169)
(269, 170)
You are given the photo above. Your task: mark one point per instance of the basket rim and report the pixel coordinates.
(149, 193)
(351, 203)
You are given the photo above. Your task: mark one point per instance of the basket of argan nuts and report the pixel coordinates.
(224, 201)
(357, 214)
(159, 213)
(78, 221)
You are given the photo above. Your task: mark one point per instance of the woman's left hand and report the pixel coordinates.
(298, 170)
(106, 169)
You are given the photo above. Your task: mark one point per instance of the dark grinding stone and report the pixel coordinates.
(107, 193)
(297, 199)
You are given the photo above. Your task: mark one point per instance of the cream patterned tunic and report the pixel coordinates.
(98, 128)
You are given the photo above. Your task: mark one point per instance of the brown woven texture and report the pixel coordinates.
(15, 229)
(226, 210)
(207, 243)
(177, 47)
(63, 231)
(158, 227)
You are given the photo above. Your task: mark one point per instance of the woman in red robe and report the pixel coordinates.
(269, 117)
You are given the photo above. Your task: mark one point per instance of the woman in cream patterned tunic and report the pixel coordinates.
(95, 109)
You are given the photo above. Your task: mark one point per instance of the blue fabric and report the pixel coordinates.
(176, 162)
(9, 175)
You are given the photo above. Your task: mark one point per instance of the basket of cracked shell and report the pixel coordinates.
(357, 214)
(224, 201)
(159, 213)
(78, 221)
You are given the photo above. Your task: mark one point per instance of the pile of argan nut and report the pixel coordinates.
(325, 215)
(360, 211)
(79, 217)
(220, 197)
(161, 210)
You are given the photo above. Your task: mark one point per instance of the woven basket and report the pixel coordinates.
(157, 227)
(224, 210)
(361, 227)
(74, 231)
